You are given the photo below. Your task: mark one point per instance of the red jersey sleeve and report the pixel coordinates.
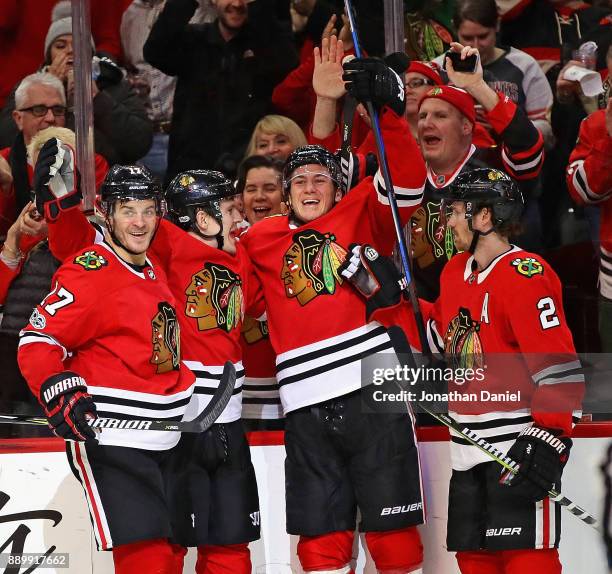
(66, 319)
(69, 233)
(589, 173)
(537, 319)
(408, 174)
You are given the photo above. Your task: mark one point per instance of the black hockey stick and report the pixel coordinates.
(402, 348)
(201, 423)
(384, 169)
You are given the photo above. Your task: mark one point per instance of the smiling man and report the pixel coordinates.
(338, 457)
(106, 341)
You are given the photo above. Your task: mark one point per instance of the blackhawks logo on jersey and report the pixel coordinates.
(310, 266)
(528, 267)
(214, 298)
(91, 261)
(462, 342)
(430, 238)
(166, 339)
(254, 330)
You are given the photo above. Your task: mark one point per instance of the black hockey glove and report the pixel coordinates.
(68, 405)
(375, 277)
(541, 456)
(355, 167)
(371, 80)
(56, 180)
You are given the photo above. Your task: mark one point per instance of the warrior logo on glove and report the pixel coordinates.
(166, 340)
(310, 266)
(215, 299)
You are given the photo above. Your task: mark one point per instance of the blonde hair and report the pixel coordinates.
(275, 124)
(40, 139)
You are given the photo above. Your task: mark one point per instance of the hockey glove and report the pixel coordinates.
(56, 180)
(355, 167)
(375, 277)
(541, 456)
(68, 406)
(371, 80)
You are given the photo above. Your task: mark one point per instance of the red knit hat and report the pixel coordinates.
(427, 69)
(456, 97)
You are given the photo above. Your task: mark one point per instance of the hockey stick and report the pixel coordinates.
(384, 167)
(402, 347)
(201, 423)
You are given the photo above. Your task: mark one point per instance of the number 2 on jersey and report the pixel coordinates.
(548, 313)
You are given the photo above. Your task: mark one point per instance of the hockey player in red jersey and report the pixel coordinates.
(338, 457)
(210, 278)
(502, 306)
(589, 181)
(105, 341)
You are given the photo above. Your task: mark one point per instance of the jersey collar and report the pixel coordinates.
(470, 264)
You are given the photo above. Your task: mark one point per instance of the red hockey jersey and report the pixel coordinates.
(116, 326)
(589, 181)
(507, 320)
(318, 325)
(212, 289)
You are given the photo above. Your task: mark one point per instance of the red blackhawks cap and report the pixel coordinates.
(427, 69)
(456, 97)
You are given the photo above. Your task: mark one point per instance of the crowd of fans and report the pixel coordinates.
(228, 85)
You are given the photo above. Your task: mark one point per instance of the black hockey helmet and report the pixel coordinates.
(487, 187)
(126, 183)
(311, 154)
(194, 189)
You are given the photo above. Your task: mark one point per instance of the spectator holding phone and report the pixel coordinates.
(506, 70)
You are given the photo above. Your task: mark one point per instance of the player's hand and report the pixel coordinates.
(371, 80)
(375, 277)
(327, 77)
(56, 180)
(6, 176)
(541, 456)
(68, 406)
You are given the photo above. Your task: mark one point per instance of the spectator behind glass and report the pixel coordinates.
(225, 71)
(276, 136)
(508, 71)
(446, 123)
(40, 103)
(122, 131)
(260, 183)
(155, 88)
(418, 80)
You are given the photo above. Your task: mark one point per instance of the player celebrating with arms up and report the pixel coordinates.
(106, 341)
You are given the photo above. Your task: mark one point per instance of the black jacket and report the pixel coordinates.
(223, 88)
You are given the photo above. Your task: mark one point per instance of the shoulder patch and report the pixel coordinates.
(91, 261)
(528, 267)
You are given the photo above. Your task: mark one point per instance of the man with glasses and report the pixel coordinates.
(40, 102)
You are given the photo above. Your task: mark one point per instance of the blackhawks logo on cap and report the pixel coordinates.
(310, 266)
(528, 267)
(91, 261)
(214, 298)
(435, 91)
(186, 180)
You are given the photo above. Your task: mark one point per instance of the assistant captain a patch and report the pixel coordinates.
(91, 261)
